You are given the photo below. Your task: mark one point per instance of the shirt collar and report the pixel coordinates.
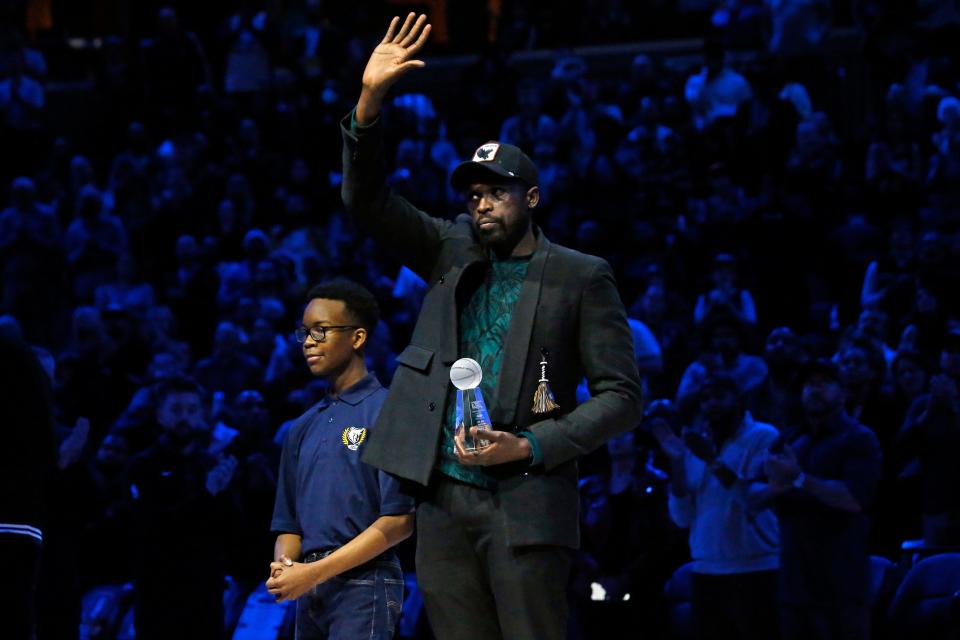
(355, 394)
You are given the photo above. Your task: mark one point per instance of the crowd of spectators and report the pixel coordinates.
(764, 203)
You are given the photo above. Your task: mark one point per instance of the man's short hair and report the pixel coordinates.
(361, 304)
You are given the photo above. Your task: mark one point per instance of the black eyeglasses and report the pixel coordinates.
(318, 333)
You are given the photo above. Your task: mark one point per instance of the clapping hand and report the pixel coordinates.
(670, 442)
(220, 476)
(782, 468)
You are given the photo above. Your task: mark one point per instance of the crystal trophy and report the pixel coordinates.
(471, 410)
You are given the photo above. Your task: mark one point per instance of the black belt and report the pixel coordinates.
(313, 556)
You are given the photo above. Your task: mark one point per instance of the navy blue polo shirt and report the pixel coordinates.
(325, 494)
(824, 557)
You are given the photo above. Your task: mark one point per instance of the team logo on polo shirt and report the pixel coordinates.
(353, 437)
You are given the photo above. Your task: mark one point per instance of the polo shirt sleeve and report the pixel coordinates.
(285, 507)
(393, 501)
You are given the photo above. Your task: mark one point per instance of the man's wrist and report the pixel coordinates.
(531, 448)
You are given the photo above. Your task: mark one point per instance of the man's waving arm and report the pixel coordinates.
(398, 226)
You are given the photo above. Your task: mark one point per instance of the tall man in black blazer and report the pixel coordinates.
(496, 526)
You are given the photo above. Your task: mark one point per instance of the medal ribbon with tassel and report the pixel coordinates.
(543, 401)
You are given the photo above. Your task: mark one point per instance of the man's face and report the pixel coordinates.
(781, 347)
(855, 367)
(718, 404)
(950, 360)
(501, 211)
(822, 395)
(725, 340)
(250, 413)
(181, 414)
(872, 323)
(911, 378)
(339, 346)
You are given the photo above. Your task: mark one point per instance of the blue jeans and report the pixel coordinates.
(360, 604)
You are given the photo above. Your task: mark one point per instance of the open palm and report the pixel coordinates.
(392, 58)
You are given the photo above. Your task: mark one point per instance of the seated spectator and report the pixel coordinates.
(22, 97)
(722, 353)
(726, 296)
(717, 90)
(888, 283)
(798, 26)
(863, 375)
(179, 506)
(126, 291)
(174, 63)
(932, 431)
(229, 368)
(94, 242)
(31, 257)
(822, 482)
(247, 36)
(531, 124)
(734, 549)
(911, 375)
(776, 400)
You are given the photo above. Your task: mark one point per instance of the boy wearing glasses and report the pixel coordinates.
(337, 518)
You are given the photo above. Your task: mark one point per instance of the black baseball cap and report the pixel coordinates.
(497, 158)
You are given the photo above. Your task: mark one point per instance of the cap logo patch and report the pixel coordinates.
(486, 153)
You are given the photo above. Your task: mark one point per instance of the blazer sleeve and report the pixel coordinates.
(412, 235)
(605, 345)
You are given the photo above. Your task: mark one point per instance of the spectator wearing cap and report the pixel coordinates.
(734, 548)
(931, 431)
(822, 481)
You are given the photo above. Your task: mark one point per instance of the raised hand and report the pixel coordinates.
(670, 442)
(73, 445)
(390, 61)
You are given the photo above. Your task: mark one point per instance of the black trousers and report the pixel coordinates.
(736, 606)
(474, 585)
(19, 576)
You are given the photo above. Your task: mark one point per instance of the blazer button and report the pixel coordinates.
(442, 278)
(431, 406)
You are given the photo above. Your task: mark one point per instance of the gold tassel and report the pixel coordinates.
(543, 401)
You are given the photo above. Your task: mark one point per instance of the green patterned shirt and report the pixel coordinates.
(484, 323)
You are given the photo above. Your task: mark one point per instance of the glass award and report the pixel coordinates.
(471, 410)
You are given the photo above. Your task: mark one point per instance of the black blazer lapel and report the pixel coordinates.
(517, 345)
